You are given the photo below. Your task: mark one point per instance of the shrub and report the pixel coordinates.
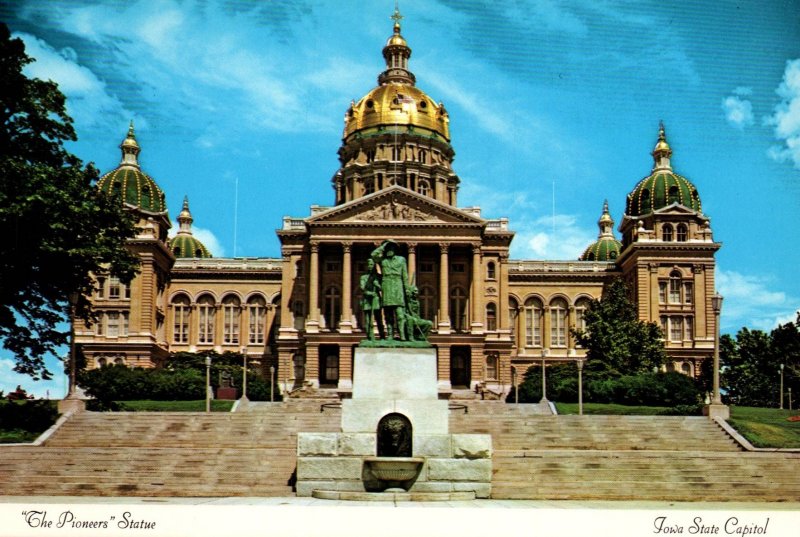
(32, 416)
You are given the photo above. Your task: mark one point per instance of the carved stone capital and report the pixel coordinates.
(412, 247)
(444, 247)
(653, 267)
(698, 269)
(314, 246)
(347, 246)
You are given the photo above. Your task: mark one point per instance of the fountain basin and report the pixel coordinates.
(394, 472)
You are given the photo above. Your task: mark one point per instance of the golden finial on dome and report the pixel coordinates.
(605, 223)
(130, 148)
(662, 150)
(185, 217)
(396, 17)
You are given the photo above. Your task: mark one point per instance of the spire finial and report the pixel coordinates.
(185, 218)
(130, 148)
(662, 151)
(130, 131)
(396, 17)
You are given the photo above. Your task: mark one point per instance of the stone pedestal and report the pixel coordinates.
(717, 411)
(387, 381)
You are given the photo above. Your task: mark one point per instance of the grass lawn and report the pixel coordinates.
(217, 405)
(766, 427)
(610, 409)
(15, 436)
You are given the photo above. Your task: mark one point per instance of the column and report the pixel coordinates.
(444, 295)
(346, 322)
(477, 290)
(504, 324)
(286, 328)
(412, 262)
(345, 368)
(312, 322)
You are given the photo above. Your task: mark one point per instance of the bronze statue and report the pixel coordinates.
(370, 284)
(394, 287)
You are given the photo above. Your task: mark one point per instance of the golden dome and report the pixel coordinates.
(397, 104)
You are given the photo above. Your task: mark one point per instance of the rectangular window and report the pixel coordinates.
(491, 367)
(662, 292)
(459, 267)
(181, 325)
(231, 324)
(206, 328)
(533, 327)
(114, 288)
(101, 287)
(426, 266)
(558, 328)
(333, 266)
(124, 323)
(674, 291)
(112, 324)
(664, 327)
(688, 329)
(676, 328)
(256, 324)
(688, 293)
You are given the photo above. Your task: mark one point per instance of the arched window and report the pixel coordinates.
(423, 187)
(491, 317)
(119, 360)
(581, 305)
(674, 195)
(686, 368)
(231, 311)
(458, 308)
(257, 307)
(666, 233)
(146, 196)
(102, 362)
(333, 306)
(206, 310)
(491, 366)
(491, 272)
(427, 301)
(533, 323)
(675, 287)
(681, 233)
(558, 323)
(423, 156)
(180, 319)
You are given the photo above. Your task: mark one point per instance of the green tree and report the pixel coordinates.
(616, 341)
(57, 228)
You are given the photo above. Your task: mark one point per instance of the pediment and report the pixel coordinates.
(395, 204)
(676, 209)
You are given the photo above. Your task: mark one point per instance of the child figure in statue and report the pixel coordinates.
(370, 284)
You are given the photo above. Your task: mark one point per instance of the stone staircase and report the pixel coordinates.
(626, 458)
(166, 454)
(252, 452)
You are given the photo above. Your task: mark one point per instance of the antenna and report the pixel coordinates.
(554, 206)
(235, 213)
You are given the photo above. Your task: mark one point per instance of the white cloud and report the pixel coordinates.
(743, 91)
(750, 302)
(551, 237)
(786, 116)
(9, 380)
(89, 102)
(738, 111)
(206, 236)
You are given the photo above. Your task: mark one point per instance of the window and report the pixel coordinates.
(558, 323)
(333, 306)
(114, 288)
(491, 366)
(180, 322)
(101, 362)
(681, 233)
(423, 155)
(369, 186)
(459, 268)
(119, 360)
(688, 292)
(423, 187)
(112, 324)
(101, 287)
(298, 269)
(662, 292)
(124, 323)
(533, 323)
(686, 369)
(674, 196)
(491, 317)
(146, 196)
(458, 309)
(427, 300)
(664, 326)
(395, 153)
(675, 328)
(258, 308)
(333, 266)
(490, 271)
(666, 233)
(206, 310)
(675, 287)
(513, 314)
(231, 310)
(580, 314)
(426, 267)
(688, 329)
(298, 311)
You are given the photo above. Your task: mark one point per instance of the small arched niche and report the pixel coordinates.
(394, 436)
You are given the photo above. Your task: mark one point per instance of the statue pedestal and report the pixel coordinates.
(717, 411)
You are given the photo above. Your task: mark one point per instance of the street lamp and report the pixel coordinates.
(271, 383)
(544, 376)
(790, 398)
(781, 386)
(716, 409)
(208, 383)
(244, 374)
(580, 387)
(71, 402)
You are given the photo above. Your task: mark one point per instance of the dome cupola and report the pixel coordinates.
(663, 187)
(128, 181)
(606, 247)
(185, 244)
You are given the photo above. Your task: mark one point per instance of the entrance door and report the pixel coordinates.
(459, 367)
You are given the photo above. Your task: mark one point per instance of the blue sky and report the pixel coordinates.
(554, 107)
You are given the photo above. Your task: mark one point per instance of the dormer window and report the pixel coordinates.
(674, 196)
(681, 234)
(666, 233)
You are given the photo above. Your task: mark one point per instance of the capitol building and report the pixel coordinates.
(492, 315)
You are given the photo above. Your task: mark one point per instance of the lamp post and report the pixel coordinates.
(71, 400)
(208, 383)
(244, 374)
(781, 386)
(580, 387)
(716, 409)
(271, 383)
(790, 398)
(544, 376)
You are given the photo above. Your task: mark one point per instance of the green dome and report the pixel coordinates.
(188, 246)
(128, 181)
(662, 187)
(135, 187)
(184, 244)
(659, 190)
(605, 249)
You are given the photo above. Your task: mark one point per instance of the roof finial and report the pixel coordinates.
(185, 218)
(662, 151)
(396, 17)
(130, 131)
(130, 148)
